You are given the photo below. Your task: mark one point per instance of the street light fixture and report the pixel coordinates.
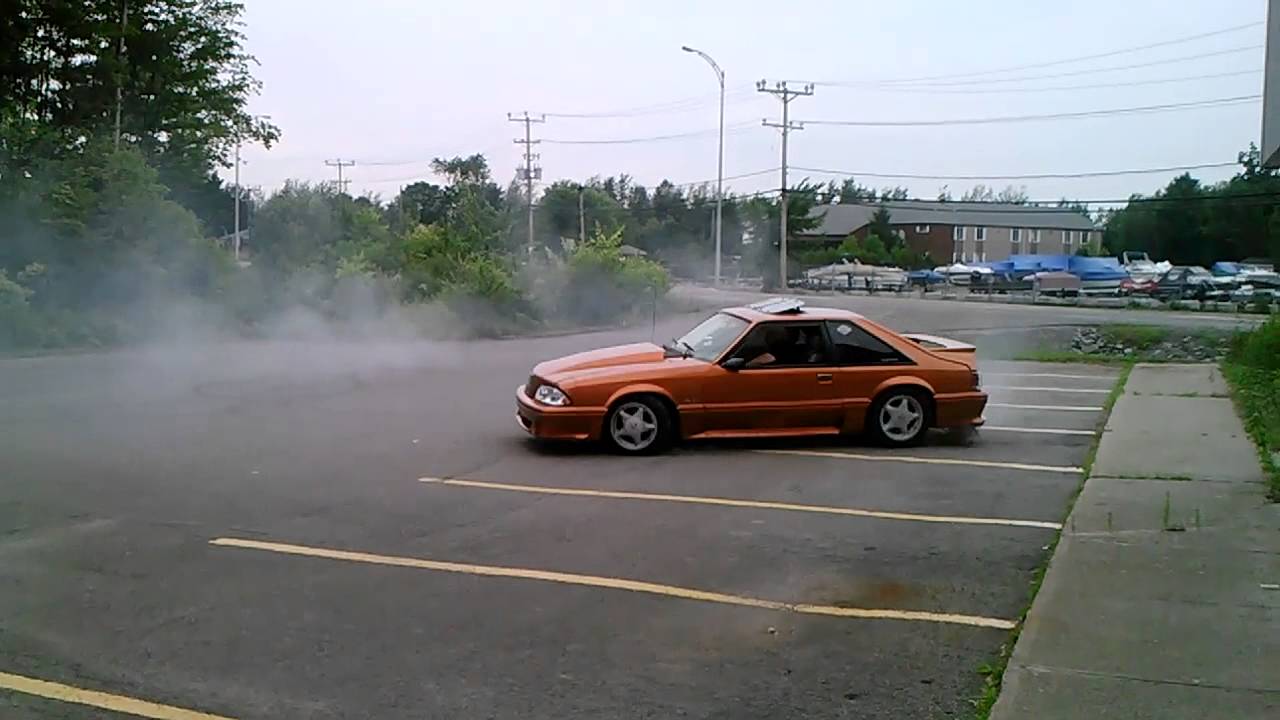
(720, 162)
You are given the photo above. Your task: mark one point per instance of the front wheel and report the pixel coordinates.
(899, 417)
(639, 426)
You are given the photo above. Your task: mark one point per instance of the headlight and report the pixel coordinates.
(550, 395)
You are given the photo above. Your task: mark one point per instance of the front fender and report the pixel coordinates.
(639, 389)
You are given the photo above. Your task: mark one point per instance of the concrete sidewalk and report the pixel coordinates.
(1161, 600)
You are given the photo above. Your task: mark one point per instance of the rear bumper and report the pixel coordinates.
(960, 409)
(556, 423)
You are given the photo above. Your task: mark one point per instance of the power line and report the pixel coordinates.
(673, 106)
(1091, 71)
(1063, 61)
(1144, 109)
(727, 177)
(1058, 88)
(1033, 176)
(651, 138)
(1035, 206)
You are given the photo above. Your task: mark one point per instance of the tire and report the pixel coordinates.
(639, 425)
(900, 417)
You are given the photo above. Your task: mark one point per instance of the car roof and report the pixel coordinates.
(789, 309)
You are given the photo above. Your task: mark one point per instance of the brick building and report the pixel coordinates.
(961, 231)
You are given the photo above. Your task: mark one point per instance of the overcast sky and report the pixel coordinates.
(402, 81)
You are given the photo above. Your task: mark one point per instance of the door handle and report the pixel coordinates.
(824, 378)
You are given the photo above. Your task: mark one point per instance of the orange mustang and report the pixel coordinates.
(771, 369)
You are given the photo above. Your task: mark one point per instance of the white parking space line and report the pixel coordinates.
(615, 583)
(1065, 408)
(1038, 431)
(732, 502)
(926, 460)
(1056, 376)
(1026, 388)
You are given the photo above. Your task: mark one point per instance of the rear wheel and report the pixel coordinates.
(899, 417)
(639, 426)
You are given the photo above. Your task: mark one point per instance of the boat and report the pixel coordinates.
(1098, 275)
(1242, 274)
(961, 274)
(1140, 267)
(857, 276)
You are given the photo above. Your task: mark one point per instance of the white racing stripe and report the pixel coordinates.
(1065, 408)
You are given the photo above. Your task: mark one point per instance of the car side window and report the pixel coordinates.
(853, 345)
(775, 344)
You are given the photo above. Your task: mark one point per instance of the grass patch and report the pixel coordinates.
(1256, 392)
(1139, 337)
(1252, 369)
(993, 672)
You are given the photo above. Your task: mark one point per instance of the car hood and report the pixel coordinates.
(633, 354)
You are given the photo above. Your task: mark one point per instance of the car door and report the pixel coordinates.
(794, 392)
(863, 362)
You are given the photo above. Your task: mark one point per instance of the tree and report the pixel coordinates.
(881, 228)
(470, 170)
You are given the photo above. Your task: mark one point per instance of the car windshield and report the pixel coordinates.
(712, 336)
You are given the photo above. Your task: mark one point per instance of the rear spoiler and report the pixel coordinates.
(953, 349)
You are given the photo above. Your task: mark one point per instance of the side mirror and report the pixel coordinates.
(734, 364)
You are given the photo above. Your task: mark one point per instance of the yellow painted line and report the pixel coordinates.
(102, 700)
(1066, 408)
(615, 584)
(1038, 431)
(927, 460)
(755, 504)
(1025, 388)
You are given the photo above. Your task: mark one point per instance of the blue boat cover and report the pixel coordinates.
(1096, 268)
(931, 276)
(1222, 269)
(1037, 263)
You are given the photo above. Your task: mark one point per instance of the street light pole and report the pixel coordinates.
(239, 192)
(720, 160)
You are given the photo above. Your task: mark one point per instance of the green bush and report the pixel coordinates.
(602, 284)
(1253, 369)
(1259, 348)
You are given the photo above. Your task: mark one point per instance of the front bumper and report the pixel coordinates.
(556, 423)
(960, 409)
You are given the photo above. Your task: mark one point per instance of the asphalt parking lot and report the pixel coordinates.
(378, 539)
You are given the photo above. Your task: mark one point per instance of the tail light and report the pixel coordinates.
(977, 381)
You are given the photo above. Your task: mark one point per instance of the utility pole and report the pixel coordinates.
(720, 162)
(529, 172)
(124, 23)
(236, 242)
(582, 217)
(786, 95)
(340, 164)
